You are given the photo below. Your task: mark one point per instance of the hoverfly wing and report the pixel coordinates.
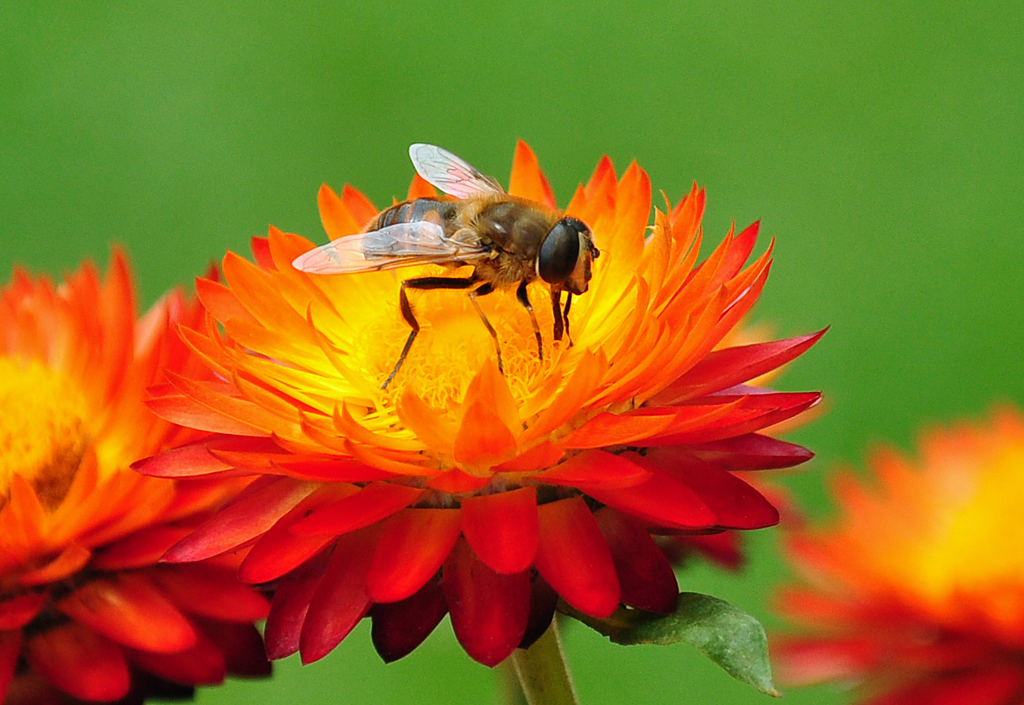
(398, 245)
(449, 173)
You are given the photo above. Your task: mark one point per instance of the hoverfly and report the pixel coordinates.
(508, 241)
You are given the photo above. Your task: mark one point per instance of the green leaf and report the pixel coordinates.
(725, 634)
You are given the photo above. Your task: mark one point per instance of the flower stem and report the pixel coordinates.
(543, 673)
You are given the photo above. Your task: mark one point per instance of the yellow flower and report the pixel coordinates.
(84, 611)
(461, 489)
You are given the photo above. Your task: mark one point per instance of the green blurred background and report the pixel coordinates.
(882, 144)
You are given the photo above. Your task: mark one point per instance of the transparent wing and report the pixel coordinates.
(449, 173)
(399, 245)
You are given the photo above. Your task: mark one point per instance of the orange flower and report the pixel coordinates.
(459, 489)
(917, 590)
(84, 611)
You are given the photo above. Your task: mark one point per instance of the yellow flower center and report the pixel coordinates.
(453, 343)
(967, 560)
(42, 432)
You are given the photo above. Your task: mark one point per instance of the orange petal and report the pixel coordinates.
(502, 528)
(527, 179)
(71, 560)
(129, 610)
(489, 420)
(338, 221)
(575, 560)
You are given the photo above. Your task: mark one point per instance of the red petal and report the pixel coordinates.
(10, 647)
(455, 481)
(399, 627)
(203, 664)
(211, 592)
(290, 605)
(660, 499)
(139, 550)
(375, 502)
(129, 610)
(645, 575)
(412, 548)
(575, 560)
(18, 611)
(79, 662)
(489, 610)
(251, 515)
(595, 469)
(280, 549)
(261, 251)
(502, 528)
(725, 368)
(736, 504)
(340, 600)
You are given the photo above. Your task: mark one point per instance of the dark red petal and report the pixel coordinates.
(502, 528)
(645, 575)
(489, 610)
(290, 604)
(251, 515)
(736, 504)
(399, 627)
(340, 600)
(212, 592)
(723, 549)
(575, 560)
(662, 500)
(998, 684)
(19, 611)
(203, 664)
(375, 502)
(281, 549)
(80, 662)
(412, 548)
(131, 611)
(751, 452)
(242, 647)
(10, 647)
(543, 600)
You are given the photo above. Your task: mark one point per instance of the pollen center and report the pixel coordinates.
(453, 344)
(42, 432)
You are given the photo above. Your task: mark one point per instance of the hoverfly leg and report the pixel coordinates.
(480, 291)
(524, 299)
(407, 314)
(556, 310)
(565, 315)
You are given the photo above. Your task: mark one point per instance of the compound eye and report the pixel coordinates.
(560, 251)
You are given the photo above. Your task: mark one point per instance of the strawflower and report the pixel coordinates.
(85, 612)
(916, 591)
(459, 489)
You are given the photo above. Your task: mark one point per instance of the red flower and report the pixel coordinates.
(85, 612)
(917, 590)
(461, 490)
